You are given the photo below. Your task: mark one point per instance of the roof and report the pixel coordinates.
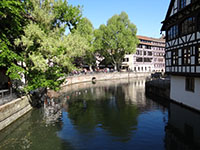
(161, 39)
(168, 14)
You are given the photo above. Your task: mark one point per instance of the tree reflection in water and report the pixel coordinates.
(107, 110)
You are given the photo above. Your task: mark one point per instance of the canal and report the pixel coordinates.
(107, 115)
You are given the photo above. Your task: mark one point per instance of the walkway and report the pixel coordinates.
(7, 98)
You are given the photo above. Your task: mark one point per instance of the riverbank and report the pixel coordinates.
(13, 110)
(103, 76)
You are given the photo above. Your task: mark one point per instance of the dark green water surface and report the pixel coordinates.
(108, 115)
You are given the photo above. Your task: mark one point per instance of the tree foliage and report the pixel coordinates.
(11, 27)
(34, 43)
(86, 30)
(48, 52)
(116, 38)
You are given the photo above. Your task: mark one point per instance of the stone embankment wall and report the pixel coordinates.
(103, 76)
(159, 90)
(13, 110)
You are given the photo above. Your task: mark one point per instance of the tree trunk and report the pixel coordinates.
(115, 67)
(90, 66)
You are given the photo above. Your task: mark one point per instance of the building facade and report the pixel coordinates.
(182, 26)
(149, 56)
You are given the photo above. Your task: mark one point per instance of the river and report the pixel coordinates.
(107, 115)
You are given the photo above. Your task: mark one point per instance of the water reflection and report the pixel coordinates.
(52, 110)
(183, 129)
(105, 115)
(109, 112)
(31, 132)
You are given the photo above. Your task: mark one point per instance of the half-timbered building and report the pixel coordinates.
(182, 26)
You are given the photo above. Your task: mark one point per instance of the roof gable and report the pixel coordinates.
(169, 12)
(170, 9)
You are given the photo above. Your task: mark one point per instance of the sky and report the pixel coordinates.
(147, 15)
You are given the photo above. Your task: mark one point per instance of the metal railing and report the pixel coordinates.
(6, 95)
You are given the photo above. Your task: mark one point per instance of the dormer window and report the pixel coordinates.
(172, 32)
(188, 25)
(182, 3)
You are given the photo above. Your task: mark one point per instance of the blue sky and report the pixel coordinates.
(147, 15)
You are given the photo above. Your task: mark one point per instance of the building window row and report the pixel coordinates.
(183, 3)
(144, 46)
(145, 41)
(146, 53)
(185, 27)
(184, 58)
(150, 47)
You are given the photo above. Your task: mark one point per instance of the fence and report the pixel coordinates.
(6, 95)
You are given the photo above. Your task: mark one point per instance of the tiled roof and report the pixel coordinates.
(151, 39)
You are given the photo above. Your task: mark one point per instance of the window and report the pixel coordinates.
(189, 84)
(126, 60)
(147, 59)
(182, 3)
(150, 54)
(188, 25)
(198, 55)
(175, 58)
(145, 53)
(172, 32)
(148, 47)
(186, 56)
(139, 59)
(162, 60)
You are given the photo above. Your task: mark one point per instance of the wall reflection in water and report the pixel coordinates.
(183, 129)
(52, 110)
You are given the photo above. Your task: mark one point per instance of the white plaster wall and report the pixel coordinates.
(179, 94)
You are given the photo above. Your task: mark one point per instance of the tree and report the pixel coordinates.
(86, 30)
(12, 22)
(47, 52)
(116, 38)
